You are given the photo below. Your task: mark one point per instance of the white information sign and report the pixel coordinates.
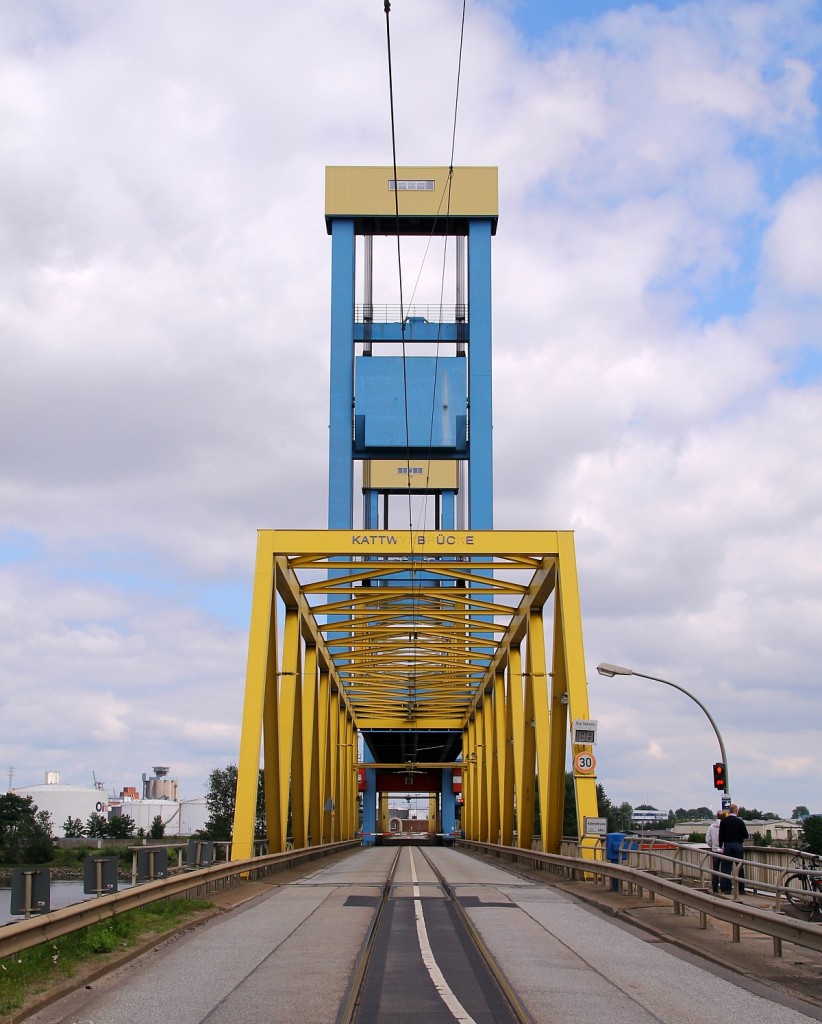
(584, 731)
(596, 826)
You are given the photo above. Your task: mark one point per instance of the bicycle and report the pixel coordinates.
(803, 889)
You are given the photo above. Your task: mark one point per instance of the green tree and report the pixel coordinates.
(605, 809)
(121, 826)
(25, 832)
(96, 826)
(754, 814)
(220, 800)
(623, 817)
(73, 828)
(800, 811)
(569, 817)
(812, 833)
(44, 820)
(158, 829)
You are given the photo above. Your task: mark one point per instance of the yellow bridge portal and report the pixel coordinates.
(434, 633)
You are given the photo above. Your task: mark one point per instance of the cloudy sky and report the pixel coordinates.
(164, 301)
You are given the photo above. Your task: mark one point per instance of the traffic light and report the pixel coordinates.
(719, 775)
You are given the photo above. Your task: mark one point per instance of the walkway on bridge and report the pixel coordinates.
(288, 956)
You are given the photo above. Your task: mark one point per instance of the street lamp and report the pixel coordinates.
(605, 669)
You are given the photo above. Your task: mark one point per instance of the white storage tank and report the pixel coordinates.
(62, 801)
(180, 818)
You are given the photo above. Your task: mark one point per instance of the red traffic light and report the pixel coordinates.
(719, 775)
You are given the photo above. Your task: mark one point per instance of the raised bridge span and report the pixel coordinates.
(411, 649)
(377, 935)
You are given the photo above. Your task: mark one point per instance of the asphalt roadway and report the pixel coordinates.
(283, 951)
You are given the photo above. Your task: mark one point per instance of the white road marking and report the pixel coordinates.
(454, 1005)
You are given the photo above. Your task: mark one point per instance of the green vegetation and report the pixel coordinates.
(70, 862)
(220, 799)
(121, 826)
(619, 818)
(42, 967)
(25, 833)
(99, 827)
(73, 828)
(812, 833)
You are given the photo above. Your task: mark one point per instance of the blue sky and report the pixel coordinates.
(657, 359)
(536, 21)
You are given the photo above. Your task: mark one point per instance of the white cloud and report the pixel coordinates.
(164, 337)
(793, 245)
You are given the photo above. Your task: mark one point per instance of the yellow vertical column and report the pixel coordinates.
(291, 662)
(465, 823)
(311, 727)
(569, 676)
(522, 711)
(298, 788)
(333, 740)
(506, 767)
(349, 823)
(482, 773)
(308, 719)
(542, 718)
(319, 820)
(260, 693)
(496, 737)
(433, 814)
(385, 824)
(490, 824)
(470, 776)
(339, 750)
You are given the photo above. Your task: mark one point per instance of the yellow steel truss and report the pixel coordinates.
(401, 630)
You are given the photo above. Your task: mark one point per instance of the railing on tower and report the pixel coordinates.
(392, 314)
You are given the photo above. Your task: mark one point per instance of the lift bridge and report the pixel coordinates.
(443, 659)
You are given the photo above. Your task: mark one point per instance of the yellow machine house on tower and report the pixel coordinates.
(412, 642)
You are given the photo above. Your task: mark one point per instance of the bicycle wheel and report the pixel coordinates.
(799, 894)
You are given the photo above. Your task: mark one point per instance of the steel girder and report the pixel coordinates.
(389, 630)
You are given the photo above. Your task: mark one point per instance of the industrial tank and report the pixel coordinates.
(63, 801)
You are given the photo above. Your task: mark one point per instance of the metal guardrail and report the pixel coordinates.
(221, 846)
(47, 927)
(739, 915)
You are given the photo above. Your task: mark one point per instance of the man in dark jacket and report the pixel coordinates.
(732, 834)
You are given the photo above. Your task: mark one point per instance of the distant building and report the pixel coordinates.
(788, 833)
(179, 817)
(62, 801)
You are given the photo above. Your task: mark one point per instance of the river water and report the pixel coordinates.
(63, 894)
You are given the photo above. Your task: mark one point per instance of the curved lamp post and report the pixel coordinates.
(617, 670)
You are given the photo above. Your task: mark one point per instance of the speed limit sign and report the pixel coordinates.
(584, 763)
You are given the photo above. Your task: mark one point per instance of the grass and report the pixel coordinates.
(42, 967)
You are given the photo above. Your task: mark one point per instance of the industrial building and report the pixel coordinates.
(160, 796)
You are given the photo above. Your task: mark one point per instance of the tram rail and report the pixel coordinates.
(506, 1007)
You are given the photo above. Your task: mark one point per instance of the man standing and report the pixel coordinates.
(712, 839)
(732, 834)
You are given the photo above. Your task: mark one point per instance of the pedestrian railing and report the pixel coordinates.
(189, 884)
(669, 870)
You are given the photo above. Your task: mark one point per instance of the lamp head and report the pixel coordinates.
(605, 669)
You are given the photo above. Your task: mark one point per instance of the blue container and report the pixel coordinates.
(613, 841)
(616, 850)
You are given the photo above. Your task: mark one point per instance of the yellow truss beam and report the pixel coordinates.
(385, 630)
